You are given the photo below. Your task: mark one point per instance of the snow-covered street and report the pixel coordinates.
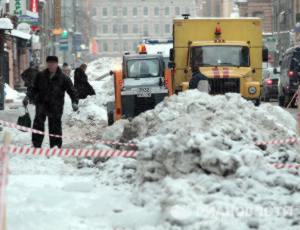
(197, 168)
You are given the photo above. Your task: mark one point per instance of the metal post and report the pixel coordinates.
(2, 96)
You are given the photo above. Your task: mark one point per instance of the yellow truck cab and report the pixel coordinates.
(229, 52)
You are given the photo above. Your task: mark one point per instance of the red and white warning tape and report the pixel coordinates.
(291, 140)
(3, 183)
(283, 166)
(26, 129)
(68, 152)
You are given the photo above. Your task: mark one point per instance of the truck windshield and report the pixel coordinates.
(143, 68)
(220, 56)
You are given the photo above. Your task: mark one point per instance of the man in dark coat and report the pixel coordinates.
(197, 76)
(48, 94)
(81, 83)
(29, 75)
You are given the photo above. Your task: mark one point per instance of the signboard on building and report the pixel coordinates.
(77, 41)
(24, 27)
(34, 8)
(64, 41)
(57, 14)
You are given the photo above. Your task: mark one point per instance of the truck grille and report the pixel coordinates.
(143, 104)
(224, 85)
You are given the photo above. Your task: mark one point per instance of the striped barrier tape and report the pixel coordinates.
(26, 129)
(284, 166)
(93, 153)
(291, 140)
(3, 183)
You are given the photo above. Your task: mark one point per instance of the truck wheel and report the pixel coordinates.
(110, 118)
(257, 102)
(267, 99)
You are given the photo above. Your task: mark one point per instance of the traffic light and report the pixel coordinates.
(64, 34)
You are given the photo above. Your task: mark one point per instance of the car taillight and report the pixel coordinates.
(269, 82)
(121, 83)
(291, 73)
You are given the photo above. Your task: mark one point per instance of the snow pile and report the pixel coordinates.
(199, 163)
(102, 66)
(11, 94)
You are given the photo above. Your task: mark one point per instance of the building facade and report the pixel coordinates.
(258, 8)
(119, 26)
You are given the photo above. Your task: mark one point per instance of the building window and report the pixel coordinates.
(116, 47)
(115, 11)
(104, 12)
(135, 28)
(125, 29)
(156, 11)
(104, 29)
(157, 28)
(105, 47)
(167, 11)
(134, 11)
(115, 28)
(125, 46)
(146, 12)
(187, 10)
(124, 11)
(135, 45)
(167, 29)
(146, 30)
(177, 11)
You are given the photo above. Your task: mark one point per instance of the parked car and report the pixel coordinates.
(289, 76)
(270, 85)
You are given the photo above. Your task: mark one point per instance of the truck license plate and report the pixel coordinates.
(144, 92)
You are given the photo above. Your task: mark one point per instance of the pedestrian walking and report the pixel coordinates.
(29, 75)
(82, 84)
(48, 94)
(66, 69)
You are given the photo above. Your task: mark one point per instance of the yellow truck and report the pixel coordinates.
(228, 51)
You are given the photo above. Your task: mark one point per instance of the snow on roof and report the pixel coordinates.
(20, 34)
(163, 49)
(6, 24)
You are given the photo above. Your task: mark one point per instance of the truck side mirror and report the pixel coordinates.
(171, 65)
(111, 73)
(172, 55)
(265, 55)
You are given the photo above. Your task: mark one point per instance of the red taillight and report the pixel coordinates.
(269, 82)
(291, 73)
(121, 83)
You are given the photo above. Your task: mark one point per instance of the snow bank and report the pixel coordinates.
(198, 162)
(11, 94)
(102, 66)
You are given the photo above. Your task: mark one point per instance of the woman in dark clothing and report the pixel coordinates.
(81, 83)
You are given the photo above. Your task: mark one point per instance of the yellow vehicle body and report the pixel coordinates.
(219, 34)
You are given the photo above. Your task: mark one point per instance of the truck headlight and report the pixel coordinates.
(252, 90)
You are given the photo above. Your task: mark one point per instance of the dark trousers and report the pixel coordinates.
(55, 127)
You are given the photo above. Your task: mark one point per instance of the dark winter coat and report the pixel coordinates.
(28, 76)
(82, 85)
(50, 93)
(196, 77)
